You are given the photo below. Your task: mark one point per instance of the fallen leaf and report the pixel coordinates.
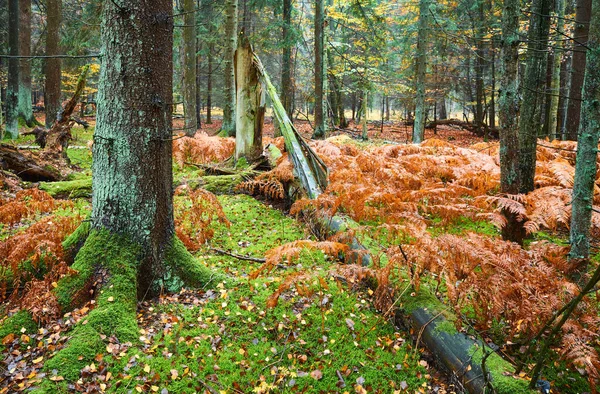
(316, 374)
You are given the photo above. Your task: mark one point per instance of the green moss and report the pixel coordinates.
(498, 367)
(68, 189)
(185, 269)
(115, 313)
(462, 225)
(15, 323)
(221, 184)
(75, 241)
(80, 157)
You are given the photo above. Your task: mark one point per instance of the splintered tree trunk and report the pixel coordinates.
(287, 90)
(508, 109)
(132, 152)
(578, 62)
(420, 70)
(12, 93)
(25, 104)
(250, 104)
(52, 66)
(189, 67)
(229, 92)
(320, 126)
(535, 76)
(587, 146)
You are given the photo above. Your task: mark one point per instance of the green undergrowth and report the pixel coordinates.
(16, 324)
(320, 337)
(461, 226)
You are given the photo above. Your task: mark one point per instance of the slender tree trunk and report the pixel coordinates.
(578, 62)
(320, 72)
(25, 103)
(52, 66)
(420, 71)
(587, 146)
(479, 65)
(287, 90)
(365, 103)
(492, 121)
(387, 108)
(229, 92)
(555, 85)
(198, 81)
(535, 76)
(508, 106)
(209, 59)
(562, 100)
(250, 104)
(12, 93)
(189, 67)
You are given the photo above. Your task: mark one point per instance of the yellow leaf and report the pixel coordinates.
(38, 360)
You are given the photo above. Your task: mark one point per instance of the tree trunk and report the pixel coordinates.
(132, 152)
(365, 101)
(250, 104)
(535, 76)
(562, 100)
(25, 103)
(578, 62)
(508, 109)
(492, 121)
(587, 146)
(421, 68)
(12, 93)
(189, 67)
(52, 66)
(556, 66)
(229, 92)
(198, 77)
(479, 65)
(320, 126)
(209, 85)
(287, 89)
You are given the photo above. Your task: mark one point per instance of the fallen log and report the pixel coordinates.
(481, 130)
(26, 167)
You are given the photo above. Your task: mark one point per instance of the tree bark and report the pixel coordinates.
(132, 152)
(52, 66)
(209, 85)
(320, 125)
(12, 93)
(508, 109)
(250, 104)
(287, 87)
(189, 67)
(25, 103)
(535, 76)
(555, 85)
(578, 62)
(420, 70)
(587, 146)
(229, 92)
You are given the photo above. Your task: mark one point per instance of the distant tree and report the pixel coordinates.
(25, 102)
(231, 32)
(189, 67)
(508, 114)
(587, 147)
(287, 91)
(583, 10)
(535, 79)
(420, 71)
(52, 65)
(320, 124)
(12, 93)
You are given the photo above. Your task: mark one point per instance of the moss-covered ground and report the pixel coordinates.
(321, 336)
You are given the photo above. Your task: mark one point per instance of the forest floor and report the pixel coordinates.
(300, 324)
(222, 338)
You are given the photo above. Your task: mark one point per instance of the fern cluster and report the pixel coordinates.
(202, 149)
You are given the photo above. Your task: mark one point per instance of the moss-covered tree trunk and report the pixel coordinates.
(508, 109)
(320, 126)
(25, 104)
(12, 92)
(535, 77)
(250, 104)
(52, 65)
(583, 9)
(229, 92)
(189, 67)
(420, 69)
(132, 176)
(587, 147)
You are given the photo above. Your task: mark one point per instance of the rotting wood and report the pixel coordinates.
(25, 167)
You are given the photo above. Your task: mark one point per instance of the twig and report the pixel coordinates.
(239, 256)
